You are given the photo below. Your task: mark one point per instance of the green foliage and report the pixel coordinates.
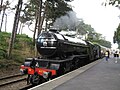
(97, 38)
(3, 53)
(115, 3)
(116, 37)
(84, 28)
(17, 57)
(23, 47)
(3, 44)
(55, 9)
(29, 11)
(92, 35)
(21, 41)
(104, 43)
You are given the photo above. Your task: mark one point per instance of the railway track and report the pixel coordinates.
(14, 82)
(12, 79)
(26, 87)
(30, 85)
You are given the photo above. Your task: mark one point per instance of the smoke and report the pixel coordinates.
(69, 21)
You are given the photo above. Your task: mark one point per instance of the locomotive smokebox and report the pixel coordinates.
(46, 44)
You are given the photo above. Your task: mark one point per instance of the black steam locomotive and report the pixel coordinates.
(51, 44)
(59, 54)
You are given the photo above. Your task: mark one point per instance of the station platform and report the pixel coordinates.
(99, 75)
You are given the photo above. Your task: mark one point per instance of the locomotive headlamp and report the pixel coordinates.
(22, 66)
(30, 69)
(45, 74)
(44, 43)
(21, 71)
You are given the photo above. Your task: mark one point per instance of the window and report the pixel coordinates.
(27, 64)
(54, 66)
(43, 64)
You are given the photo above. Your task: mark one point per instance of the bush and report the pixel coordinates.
(22, 48)
(3, 53)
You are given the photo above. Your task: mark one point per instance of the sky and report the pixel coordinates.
(103, 19)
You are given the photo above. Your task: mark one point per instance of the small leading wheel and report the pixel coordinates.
(35, 79)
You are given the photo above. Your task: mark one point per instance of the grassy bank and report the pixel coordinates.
(22, 49)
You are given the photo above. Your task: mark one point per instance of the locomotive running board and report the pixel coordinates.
(58, 60)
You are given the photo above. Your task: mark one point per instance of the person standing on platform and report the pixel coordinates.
(106, 55)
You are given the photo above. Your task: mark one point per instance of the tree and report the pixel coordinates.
(15, 26)
(92, 35)
(40, 11)
(51, 9)
(3, 8)
(1, 4)
(36, 10)
(81, 28)
(5, 22)
(56, 9)
(85, 29)
(104, 43)
(115, 3)
(116, 37)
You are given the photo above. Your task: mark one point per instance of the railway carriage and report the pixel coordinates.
(97, 51)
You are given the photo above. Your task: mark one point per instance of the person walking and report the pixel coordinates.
(116, 56)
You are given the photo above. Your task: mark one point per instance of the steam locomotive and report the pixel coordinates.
(51, 44)
(59, 54)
